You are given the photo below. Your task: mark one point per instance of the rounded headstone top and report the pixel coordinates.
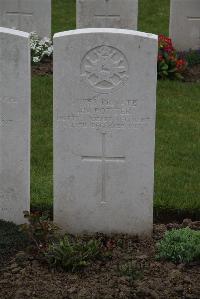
(106, 30)
(14, 32)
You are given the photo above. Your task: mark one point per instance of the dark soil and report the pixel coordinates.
(43, 68)
(161, 215)
(25, 277)
(11, 240)
(192, 74)
(165, 216)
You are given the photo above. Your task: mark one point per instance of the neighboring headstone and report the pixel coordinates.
(104, 128)
(107, 14)
(185, 24)
(27, 15)
(14, 124)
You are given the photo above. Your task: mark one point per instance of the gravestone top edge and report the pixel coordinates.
(14, 32)
(106, 30)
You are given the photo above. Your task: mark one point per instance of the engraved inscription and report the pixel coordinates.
(7, 107)
(105, 69)
(19, 17)
(8, 100)
(101, 112)
(6, 198)
(104, 159)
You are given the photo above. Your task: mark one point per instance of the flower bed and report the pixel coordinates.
(170, 66)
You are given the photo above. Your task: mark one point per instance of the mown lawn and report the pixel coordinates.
(177, 184)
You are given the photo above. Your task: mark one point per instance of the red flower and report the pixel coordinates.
(167, 54)
(180, 64)
(168, 49)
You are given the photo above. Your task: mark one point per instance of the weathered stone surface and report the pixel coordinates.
(104, 127)
(26, 15)
(185, 24)
(107, 14)
(14, 124)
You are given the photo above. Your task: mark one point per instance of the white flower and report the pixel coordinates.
(50, 49)
(36, 59)
(42, 42)
(40, 47)
(46, 40)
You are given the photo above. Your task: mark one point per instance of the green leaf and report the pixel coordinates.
(165, 73)
(164, 67)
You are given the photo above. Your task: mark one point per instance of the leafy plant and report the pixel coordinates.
(179, 246)
(40, 48)
(169, 64)
(131, 270)
(40, 230)
(72, 255)
(192, 57)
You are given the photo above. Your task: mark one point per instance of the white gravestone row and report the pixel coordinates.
(104, 125)
(27, 15)
(35, 15)
(184, 18)
(185, 24)
(104, 130)
(14, 124)
(107, 14)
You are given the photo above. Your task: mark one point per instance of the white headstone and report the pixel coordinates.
(107, 14)
(14, 124)
(185, 24)
(104, 127)
(27, 15)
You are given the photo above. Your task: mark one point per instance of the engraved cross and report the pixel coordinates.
(103, 158)
(19, 14)
(106, 16)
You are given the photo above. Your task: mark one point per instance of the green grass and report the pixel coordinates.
(63, 15)
(154, 16)
(42, 148)
(177, 184)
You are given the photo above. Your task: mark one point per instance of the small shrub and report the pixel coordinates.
(130, 270)
(170, 66)
(179, 246)
(72, 255)
(40, 48)
(40, 230)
